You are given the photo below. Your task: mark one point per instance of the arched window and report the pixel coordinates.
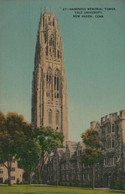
(52, 51)
(49, 78)
(57, 83)
(51, 41)
(45, 37)
(49, 82)
(58, 54)
(57, 117)
(50, 116)
(46, 50)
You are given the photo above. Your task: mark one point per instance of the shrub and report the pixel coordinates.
(25, 182)
(118, 186)
(18, 181)
(6, 181)
(39, 182)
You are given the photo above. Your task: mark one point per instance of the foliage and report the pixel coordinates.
(6, 181)
(14, 132)
(91, 139)
(91, 156)
(118, 186)
(18, 181)
(19, 140)
(93, 152)
(48, 140)
(29, 155)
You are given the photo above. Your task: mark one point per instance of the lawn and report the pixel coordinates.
(38, 189)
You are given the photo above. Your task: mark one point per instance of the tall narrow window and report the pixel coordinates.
(56, 83)
(58, 54)
(46, 50)
(113, 144)
(50, 116)
(117, 128)
(45, 37)
(113, 128)
(57, 117)
(49, 81)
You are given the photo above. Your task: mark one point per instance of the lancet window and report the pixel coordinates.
(52, 46)
(51, 41)
(56, 83)
(49, 82)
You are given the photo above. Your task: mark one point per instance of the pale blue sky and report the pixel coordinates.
(94, 55)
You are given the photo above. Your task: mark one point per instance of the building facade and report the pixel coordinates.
(66, 168)
(112, 129)
(16, 173)
(49, 93)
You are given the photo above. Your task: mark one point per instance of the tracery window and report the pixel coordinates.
(49, 78)
(49, 83)
(51, 41)
(52, 46)
(56, 83)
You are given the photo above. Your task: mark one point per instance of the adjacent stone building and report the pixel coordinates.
(112, 130)
(16, 173)
(65, 167)
(49, 93)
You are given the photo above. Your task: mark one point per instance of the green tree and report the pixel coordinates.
(13, 133)
(93, 153)
(48, 140)
(29, 156)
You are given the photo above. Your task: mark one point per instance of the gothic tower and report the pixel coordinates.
(49, 93)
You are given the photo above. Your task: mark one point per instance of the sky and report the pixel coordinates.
(94, 57)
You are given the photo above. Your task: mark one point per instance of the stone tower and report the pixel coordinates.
(49, 93)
